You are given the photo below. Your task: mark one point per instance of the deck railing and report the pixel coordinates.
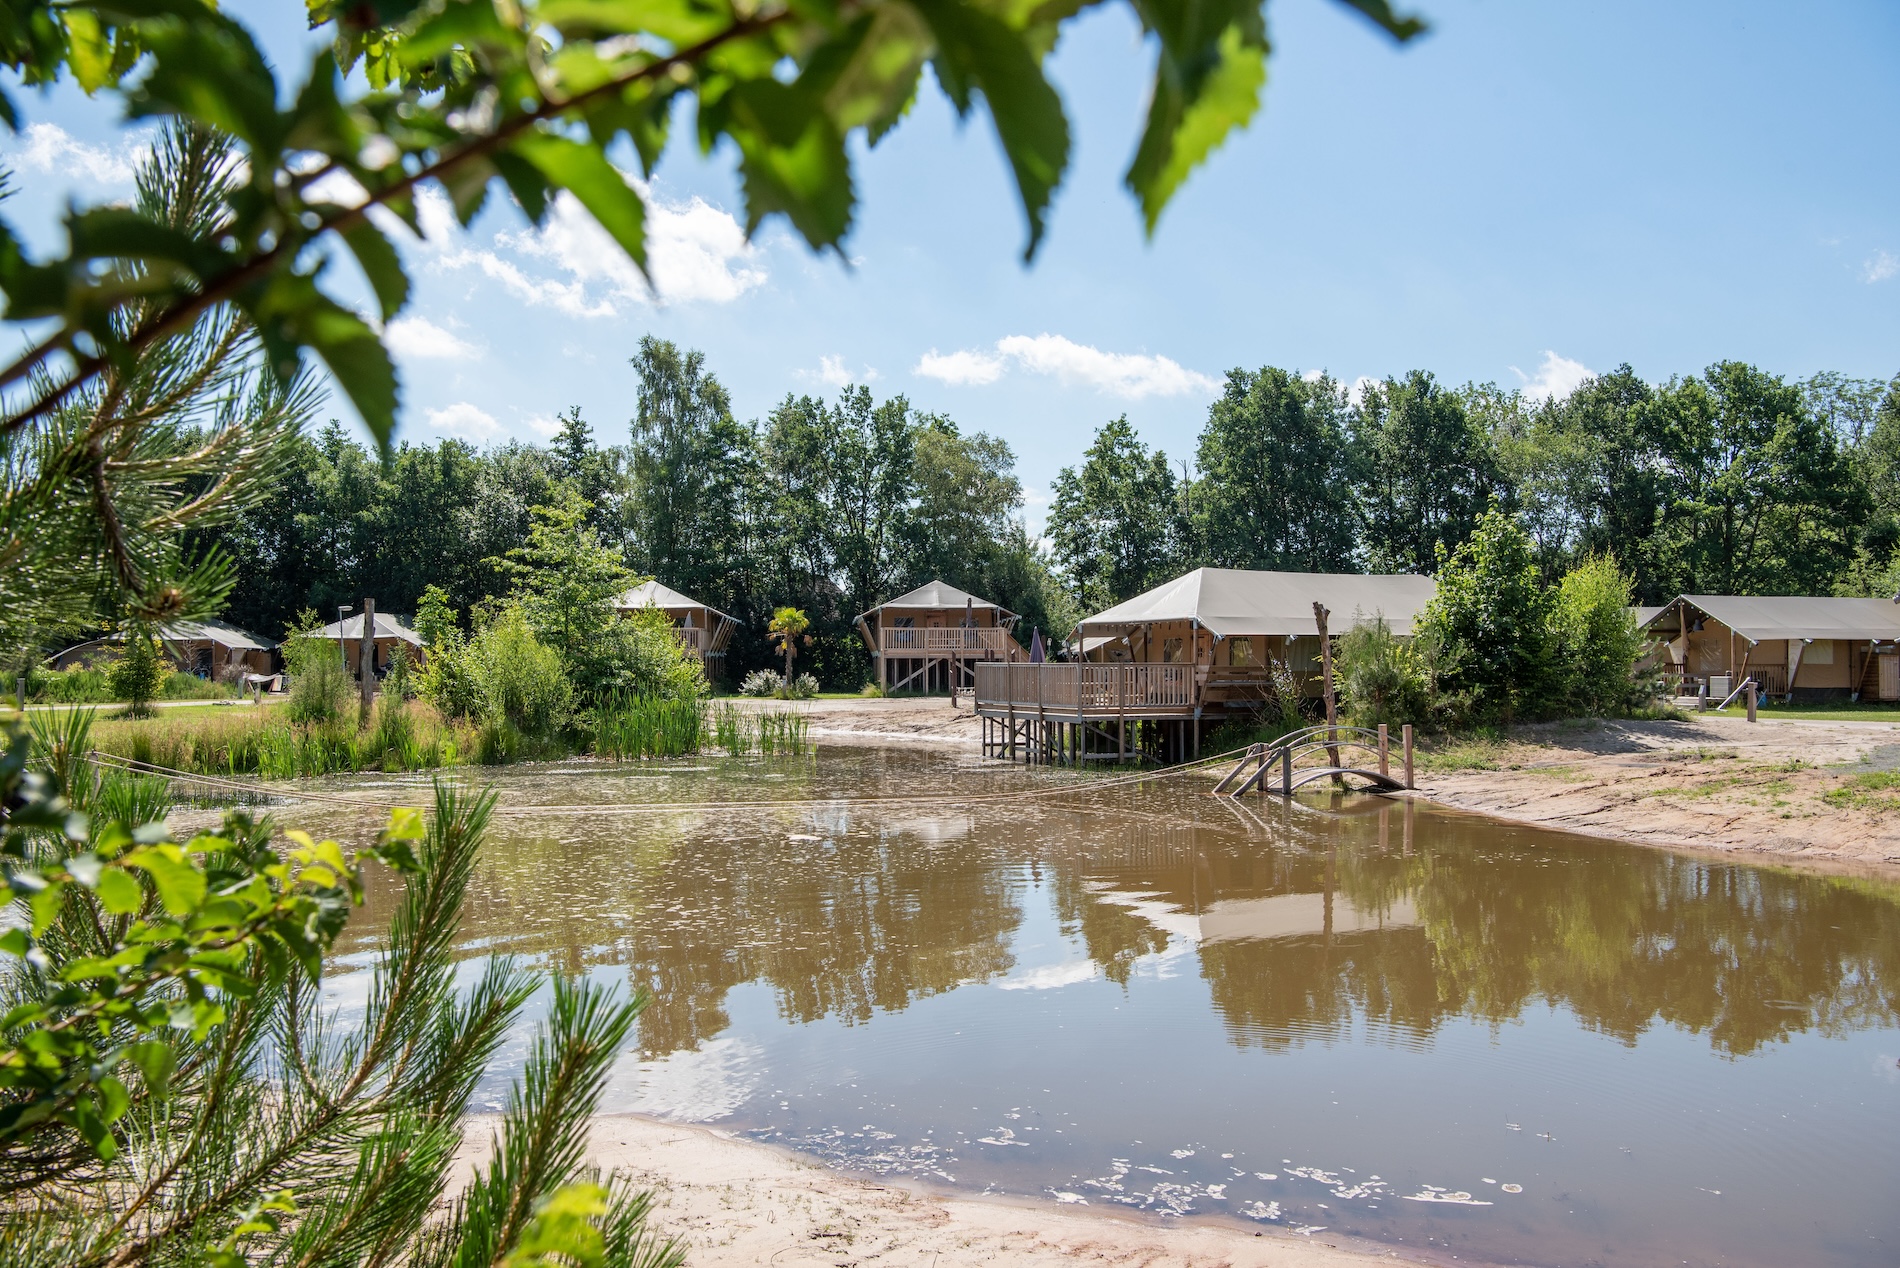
(897, 642)
(1091, 690)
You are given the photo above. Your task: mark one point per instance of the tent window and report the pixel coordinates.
(1240, 652)
(1171, 650)
(1820, 652)
(903, 622)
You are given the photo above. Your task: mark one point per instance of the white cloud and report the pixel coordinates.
(463, 419)
(544, 425)
(50, 148)
(1360, 386)
(1125, 374)
(1883, 265)
(968, 368)
(1132, 375)
(1556, 378)
(421, 338)
(1050, 977)
(832, 372)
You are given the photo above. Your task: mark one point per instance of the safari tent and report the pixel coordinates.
(703, 629)
(932, 638)
(1797, 647)
(1194, 650)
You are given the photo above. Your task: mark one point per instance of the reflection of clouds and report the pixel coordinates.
(692, 1085)
(1050, 976)
(931, 829)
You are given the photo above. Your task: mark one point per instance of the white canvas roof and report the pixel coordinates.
(351, 626)
(1796, 616)
(939, 594)
(214, 632)
(652, 592)
(1236, 601)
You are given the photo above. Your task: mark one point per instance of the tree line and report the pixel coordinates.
(1731, 481)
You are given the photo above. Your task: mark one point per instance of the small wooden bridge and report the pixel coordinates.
(1320, 752)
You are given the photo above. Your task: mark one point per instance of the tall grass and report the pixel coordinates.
(399, 737)
(742, 732)
(627, 726)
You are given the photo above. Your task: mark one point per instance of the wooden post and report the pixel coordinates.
(1385, 753)
(1751, 701)
(366, 655)
(1326, 682)
(1286, 770)
(1406, 736)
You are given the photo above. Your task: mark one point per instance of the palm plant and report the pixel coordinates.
(786, 628)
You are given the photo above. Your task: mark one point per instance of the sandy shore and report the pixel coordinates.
(1775, 790)
(734, 1202)
(905, 719)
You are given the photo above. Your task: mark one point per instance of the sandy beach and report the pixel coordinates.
(734, 1202)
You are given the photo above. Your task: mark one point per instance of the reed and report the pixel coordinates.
(400, 736)
(730, 730)
(784, 733)
(628, 726)
(742, 732)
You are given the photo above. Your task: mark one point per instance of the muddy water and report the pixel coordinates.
(1497, 1043)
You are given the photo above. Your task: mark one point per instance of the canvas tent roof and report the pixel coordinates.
(939, 594)
(1645, 614)
(352, 627)
(1236, 601)
(1796, 616)
(661, 597)
(214, 632)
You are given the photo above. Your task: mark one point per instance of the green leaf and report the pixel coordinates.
(119, 893)
(94, 1129)
(181, 887)
(208, 67)
(1399, 27)
(978, 52)
(792, 159)
(155, 1060)
(14, 942)
(583, 170)
(1182, 130)
(381, 266)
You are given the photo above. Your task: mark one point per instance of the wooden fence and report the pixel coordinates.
(1088, 690)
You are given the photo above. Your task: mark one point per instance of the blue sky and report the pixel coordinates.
(1530, 191)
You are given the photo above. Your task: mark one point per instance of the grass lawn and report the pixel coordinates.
(1882, 712)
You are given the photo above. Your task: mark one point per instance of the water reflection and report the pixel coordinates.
(1030, 993)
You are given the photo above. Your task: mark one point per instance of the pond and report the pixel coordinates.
(1431, 1030)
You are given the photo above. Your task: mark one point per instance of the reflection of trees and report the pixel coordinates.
(1625, 938)
(860, 921)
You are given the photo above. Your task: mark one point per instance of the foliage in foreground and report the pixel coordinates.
(172, 1090)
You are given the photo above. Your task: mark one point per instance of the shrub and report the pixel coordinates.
(640, 655)
(400, 682)
(1380, 678)
(521, 679)
(1597, 641)
(448, 680)
(761, 682)
(82, 684)
(320, 685)
(1491, 620)
(803, 687)
(140, 672)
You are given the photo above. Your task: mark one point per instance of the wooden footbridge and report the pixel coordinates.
(1320, 752)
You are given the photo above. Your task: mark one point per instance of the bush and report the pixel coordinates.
(761, 682)
(448, 680)
(521, 679)
(1598, 643)
(1380, 678)
(1491, 621)
(140, 672)
(82, 684)
(400, 682)
(804, 687)
(640, 655)
(320, 684)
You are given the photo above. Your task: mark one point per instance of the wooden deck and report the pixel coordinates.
(946, 642)
(1085, 691)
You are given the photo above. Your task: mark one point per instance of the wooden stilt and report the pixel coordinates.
(1385, 754)
(1406, 733)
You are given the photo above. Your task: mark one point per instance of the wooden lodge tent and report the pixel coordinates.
(211, 649)
(1798, 647)
(705, 630)
(932, 638)
(1185, 653)
(388, 633)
